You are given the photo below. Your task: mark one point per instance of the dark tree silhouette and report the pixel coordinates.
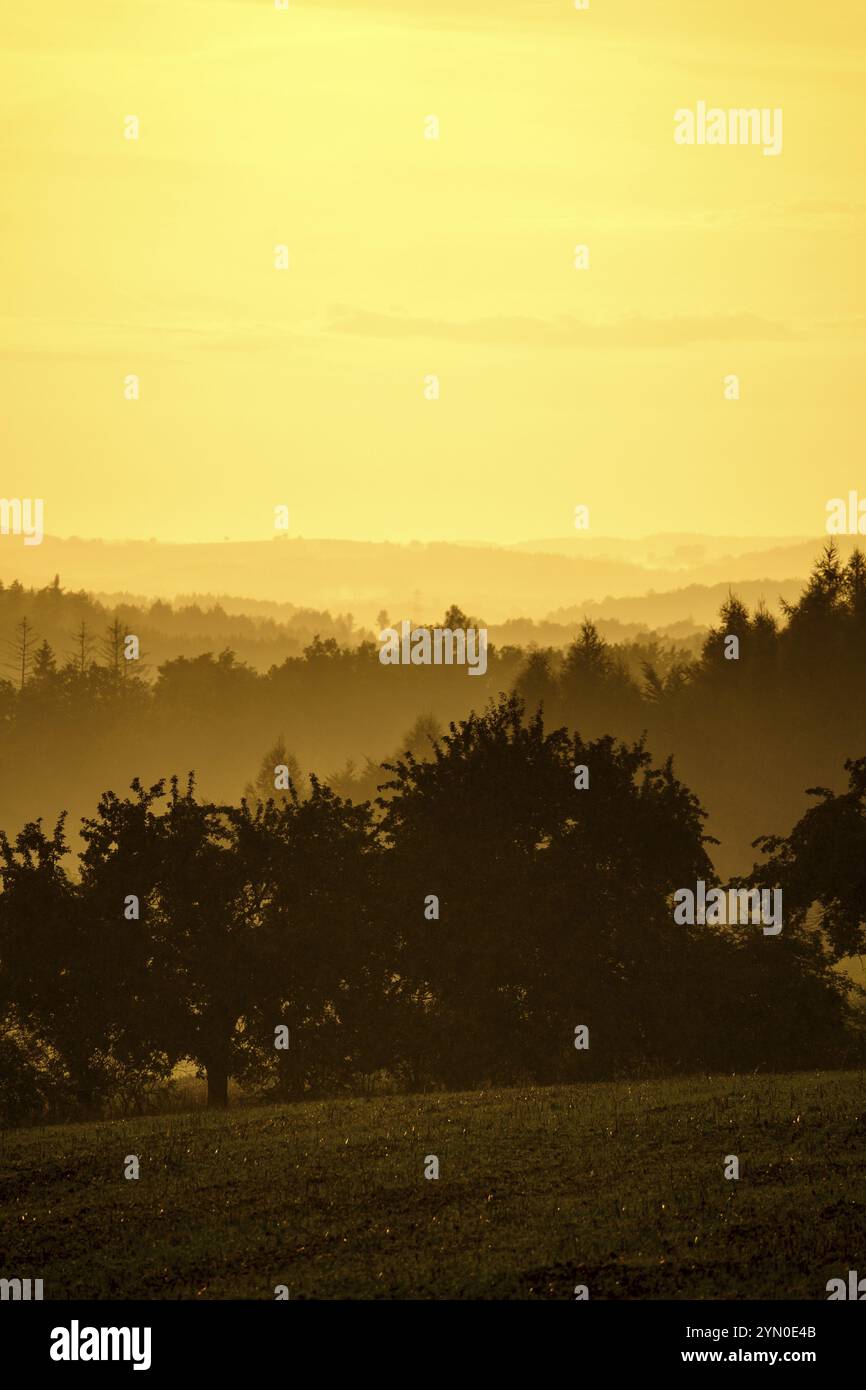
(821, 865)
(553, 901)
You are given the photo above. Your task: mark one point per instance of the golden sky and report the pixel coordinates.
(411, 257)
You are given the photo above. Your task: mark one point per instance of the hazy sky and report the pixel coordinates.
(411, 256)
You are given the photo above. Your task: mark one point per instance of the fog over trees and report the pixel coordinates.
(451, 907)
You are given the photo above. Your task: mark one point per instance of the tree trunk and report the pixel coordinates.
(86, 1104)
(217, 1086)
(290, 1076)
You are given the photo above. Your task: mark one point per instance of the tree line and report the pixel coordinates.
(75, 628)
(456, 931)
(750, 733)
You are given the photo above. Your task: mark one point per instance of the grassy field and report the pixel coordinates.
(617, 1186)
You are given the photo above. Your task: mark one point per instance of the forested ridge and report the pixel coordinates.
(749, 735)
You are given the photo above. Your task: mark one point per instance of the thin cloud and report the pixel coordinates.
(564, 330)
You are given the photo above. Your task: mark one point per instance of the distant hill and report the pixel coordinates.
(421, 580)
(697, 604)
(666, 550)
